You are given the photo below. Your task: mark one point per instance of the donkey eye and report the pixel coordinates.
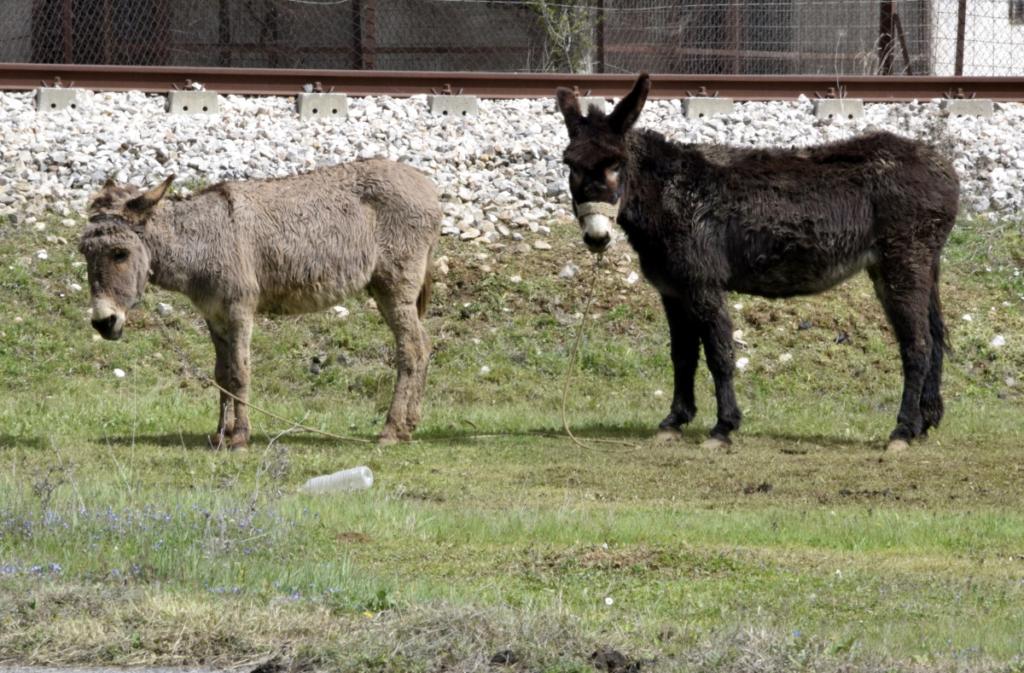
(119, 255)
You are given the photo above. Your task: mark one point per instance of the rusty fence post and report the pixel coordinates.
(107, 35)
(885, 34)
(961, 28)
(67, 34)
(734, 34)
(224, 32)
(365, 23)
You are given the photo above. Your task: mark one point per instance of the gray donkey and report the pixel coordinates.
(283, 246)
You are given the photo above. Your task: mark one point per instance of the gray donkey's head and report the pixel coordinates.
(115, 256)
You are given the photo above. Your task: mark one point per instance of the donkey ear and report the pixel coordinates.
(109, 182)
(570, 107)
(151, 198)
(628, 110)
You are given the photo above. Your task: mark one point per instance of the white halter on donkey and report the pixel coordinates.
(597, 218)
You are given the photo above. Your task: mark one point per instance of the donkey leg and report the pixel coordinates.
(685, 353)
(931, 395)
(226, 422)
(906, 300)
(241, 377)
(716, 333)
(410, 361)
(235, 334)
(413, 412)
(422, 274)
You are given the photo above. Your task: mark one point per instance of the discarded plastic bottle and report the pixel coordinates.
(352, 479)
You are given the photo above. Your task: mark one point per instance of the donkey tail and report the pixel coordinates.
(428, 281)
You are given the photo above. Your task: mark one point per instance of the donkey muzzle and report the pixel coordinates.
(110, 328)
(597, 244)
(107, 320)
(596, 218)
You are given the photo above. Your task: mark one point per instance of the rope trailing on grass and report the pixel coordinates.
(207, 380)
(574, 353)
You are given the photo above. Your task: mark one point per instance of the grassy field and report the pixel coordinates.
(804, 546)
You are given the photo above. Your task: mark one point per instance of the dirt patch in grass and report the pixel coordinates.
(350, 537)
(137, 627)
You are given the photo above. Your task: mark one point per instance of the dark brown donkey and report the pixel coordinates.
(775, 223)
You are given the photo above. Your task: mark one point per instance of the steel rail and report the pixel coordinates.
(288, 82)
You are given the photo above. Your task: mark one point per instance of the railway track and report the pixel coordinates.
(288, 82)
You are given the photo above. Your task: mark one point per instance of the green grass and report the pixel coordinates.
(124, 540)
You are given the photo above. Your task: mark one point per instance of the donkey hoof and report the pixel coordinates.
(897, 446)
(714, 443)
(668, 435)
(218, 441)
(390, 436)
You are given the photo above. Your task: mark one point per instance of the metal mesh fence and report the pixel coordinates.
(941, 37)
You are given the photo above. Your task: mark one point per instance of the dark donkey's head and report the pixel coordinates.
(115, 256)
(596, 152)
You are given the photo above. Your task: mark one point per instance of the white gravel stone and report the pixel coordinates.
(998, 341)
(541, 245)
(119, 373)
(742, 363)
(441, 265)
(164, 309)
(503, 168)
(569, 271)
(340, 311)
